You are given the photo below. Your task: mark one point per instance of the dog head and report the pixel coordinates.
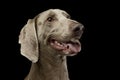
(52, 28)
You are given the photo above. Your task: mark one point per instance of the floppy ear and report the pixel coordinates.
(29, 41)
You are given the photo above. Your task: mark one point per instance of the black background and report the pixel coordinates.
(95, 61)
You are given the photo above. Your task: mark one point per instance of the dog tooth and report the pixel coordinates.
(58, 44)
(61, 45)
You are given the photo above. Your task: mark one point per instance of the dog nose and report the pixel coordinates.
(78, 28)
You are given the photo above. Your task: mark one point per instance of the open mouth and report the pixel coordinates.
(69, 47)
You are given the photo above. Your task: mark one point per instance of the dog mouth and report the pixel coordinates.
(68, 47)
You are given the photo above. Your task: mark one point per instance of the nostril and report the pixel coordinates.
(76, 29)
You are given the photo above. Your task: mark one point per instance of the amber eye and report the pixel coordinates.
(49, 19)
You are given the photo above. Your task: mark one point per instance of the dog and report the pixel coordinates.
(46, 40)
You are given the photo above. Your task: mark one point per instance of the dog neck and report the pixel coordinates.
(50, 66)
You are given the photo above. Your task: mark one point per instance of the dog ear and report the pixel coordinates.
(29, 41)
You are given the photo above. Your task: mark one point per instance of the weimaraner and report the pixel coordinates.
(46, 40)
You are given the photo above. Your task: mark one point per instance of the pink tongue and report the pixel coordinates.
(74, 48)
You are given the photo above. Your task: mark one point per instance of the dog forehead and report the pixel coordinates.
(59, 11)
(56, 11)
(52, 11)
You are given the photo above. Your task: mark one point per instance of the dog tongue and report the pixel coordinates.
(74, 48)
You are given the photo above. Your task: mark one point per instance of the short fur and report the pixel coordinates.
(47, 62)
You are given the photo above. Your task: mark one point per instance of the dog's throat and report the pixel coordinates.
(66, 47)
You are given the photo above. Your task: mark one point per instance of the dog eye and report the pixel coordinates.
(49, 19)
